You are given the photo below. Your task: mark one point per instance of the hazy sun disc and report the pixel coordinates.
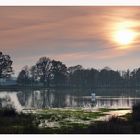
(125, 36)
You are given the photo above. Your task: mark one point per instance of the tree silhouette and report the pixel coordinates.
(23, 77)
(44, 70)
(54, 73)
(58, 73)
(5, 65)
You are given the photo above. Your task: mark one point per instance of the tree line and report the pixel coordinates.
(52, 73)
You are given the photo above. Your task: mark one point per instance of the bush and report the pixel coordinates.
(136, 112)
(7, 112)
(117, 120)
(114, 125)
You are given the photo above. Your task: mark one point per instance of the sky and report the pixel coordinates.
(73, 35)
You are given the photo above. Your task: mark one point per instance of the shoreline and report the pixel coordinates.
(28, 87)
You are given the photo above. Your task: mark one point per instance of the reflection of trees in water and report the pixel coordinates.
(63, 98)
(22, 98)
(46, 98)
(70, 101)
(117, 92)
(36, 99)
(66, 98)
(121, 102)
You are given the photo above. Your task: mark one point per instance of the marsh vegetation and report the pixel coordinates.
(50, 121)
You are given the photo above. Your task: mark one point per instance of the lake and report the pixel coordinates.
(71, 98)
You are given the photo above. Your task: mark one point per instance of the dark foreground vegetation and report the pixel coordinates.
(128, 124)
(12, 122)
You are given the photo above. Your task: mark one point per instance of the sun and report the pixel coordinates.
(125, 37)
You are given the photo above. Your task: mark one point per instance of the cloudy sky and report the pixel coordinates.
(73, 35)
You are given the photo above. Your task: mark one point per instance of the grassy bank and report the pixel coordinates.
(52, 121)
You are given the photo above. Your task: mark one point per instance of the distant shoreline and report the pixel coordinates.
(27, 87)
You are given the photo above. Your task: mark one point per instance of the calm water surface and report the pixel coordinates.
(39, 99)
